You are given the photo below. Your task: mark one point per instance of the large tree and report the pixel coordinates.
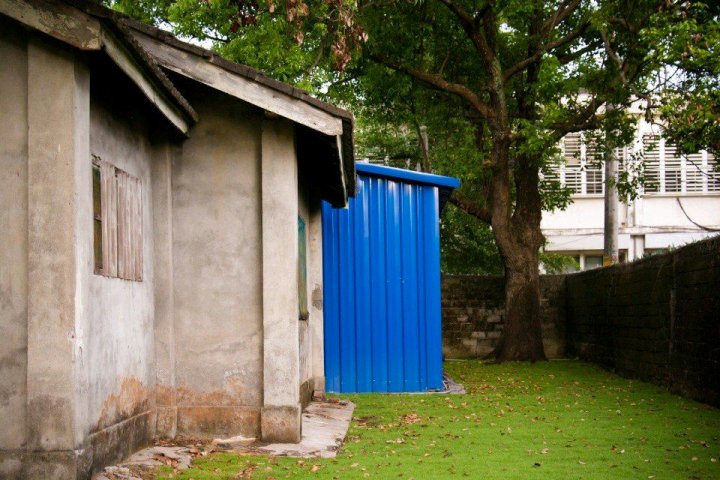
(523, 74)
(500, 81)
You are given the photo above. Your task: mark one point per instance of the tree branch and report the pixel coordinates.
(622, 67)
(563, 11)
(523, 64)
(481, 212)
(468, 24)
(566, 58)
(585, 119)
(437, 82)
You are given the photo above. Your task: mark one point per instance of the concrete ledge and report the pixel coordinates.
(104, 447)
(218, 421)
(58, 465)
(282, 424)
(118, 441)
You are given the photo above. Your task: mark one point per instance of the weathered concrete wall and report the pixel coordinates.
(315, 296)
(57, 123)
(473, 309)
(306, 207)
(119, 377)
(217, 269)
(78, 392)
(656, 319)
(165, 154)
(280, 419)
(13, 239)
(209, 342)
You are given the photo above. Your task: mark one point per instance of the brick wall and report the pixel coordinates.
(657, 319)
(473, 313)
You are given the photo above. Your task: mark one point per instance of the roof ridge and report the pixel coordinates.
(169, 38)
(153, 66)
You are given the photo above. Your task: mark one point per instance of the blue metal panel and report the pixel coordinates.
(432, 287)
(378, 293)
(381, 267)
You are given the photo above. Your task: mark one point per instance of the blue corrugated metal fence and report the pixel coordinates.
(381, 260)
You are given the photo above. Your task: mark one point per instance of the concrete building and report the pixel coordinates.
(160, 242)
(679, 204)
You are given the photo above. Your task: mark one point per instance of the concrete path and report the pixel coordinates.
(324, 426)
(141, 464)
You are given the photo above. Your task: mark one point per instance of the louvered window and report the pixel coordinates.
(695, 173)
(665, 169)
(651, 163)
(572, 151)
(668, 171)
(572, 148)
(673, 169)
(593, 166)
(117, 217)
(583, 172)
(713, 174)
(594, 181)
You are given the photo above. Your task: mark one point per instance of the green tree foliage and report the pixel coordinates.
(686, 36)
(468, 246)
(289, 41)
(497, 83)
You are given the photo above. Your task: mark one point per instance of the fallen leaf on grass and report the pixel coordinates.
(410, 418)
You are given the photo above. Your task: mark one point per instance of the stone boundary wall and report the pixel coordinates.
(473, 309)
(657, 319)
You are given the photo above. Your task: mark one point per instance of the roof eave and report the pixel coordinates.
(86, 32)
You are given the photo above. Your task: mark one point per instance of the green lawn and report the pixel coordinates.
(552, 420)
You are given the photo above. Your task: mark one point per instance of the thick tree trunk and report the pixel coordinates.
(522, 333)
(519, 238)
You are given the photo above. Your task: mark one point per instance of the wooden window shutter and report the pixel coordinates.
(109, 217)
(129, 232)
(123, 226)
(137, 228)
(120, 221)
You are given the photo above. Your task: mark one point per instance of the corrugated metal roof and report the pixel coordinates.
(445, 185)
(407, 175)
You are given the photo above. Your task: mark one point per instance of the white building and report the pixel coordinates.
(679, 204)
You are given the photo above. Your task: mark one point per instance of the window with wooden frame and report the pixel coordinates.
(117, 222)
(304, 313)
